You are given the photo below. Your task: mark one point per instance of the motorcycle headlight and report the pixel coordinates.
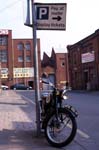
(65, 97)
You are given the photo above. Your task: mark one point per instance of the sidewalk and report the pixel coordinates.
(18, 128)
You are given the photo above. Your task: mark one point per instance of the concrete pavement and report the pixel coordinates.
(18, 127)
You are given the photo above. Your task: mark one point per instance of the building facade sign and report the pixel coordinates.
(88, 57)
(4, 73)
(4, 32)
(23, 72)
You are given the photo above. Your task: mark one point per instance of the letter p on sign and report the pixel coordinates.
(42, 13)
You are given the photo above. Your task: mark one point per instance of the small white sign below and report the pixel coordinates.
(87, 57)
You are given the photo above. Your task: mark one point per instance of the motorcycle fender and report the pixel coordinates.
(71, 110)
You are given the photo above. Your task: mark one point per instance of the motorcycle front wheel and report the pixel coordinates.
(60, 129)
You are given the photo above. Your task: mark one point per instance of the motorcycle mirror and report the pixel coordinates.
(44, 75)
(45, 78)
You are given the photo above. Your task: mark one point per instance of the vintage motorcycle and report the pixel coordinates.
(57, 120)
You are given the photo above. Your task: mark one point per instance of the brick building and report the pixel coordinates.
(56, 67)
(62, 75)
(16, 59)
(83, 59)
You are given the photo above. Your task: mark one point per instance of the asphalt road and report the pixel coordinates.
(87, 105)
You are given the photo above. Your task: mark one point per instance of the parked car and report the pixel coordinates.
(4, 87)
(19, 86)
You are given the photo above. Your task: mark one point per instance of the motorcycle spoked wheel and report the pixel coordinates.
(60, 132)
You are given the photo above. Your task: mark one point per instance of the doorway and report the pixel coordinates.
(31, 83)
(86, 79)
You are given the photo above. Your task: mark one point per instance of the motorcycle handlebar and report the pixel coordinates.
(46, 82)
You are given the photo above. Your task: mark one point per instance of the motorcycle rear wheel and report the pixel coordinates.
(60, 132)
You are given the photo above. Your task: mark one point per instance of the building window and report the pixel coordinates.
(3, 55)
(63, 64)
(20, 46)
(27, 46)
(3, 40)
(20, 59)
(28, 58)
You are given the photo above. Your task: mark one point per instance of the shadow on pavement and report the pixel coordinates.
(24, 140)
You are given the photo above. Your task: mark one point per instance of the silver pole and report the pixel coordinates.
(36, 74)
(0, 78)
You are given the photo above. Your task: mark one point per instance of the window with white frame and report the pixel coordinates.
(20, 59)
(20, 46)
(62, 63)
(3, 40)
(28, 46)
(3, 55)
(28, 58)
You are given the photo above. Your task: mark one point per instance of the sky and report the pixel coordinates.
(82, 19)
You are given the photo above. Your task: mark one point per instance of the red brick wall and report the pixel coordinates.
(82, 74)
(62, 69)
(12, 55)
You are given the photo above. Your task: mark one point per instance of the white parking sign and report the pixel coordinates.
(51, 16)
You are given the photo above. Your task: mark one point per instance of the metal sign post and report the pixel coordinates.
(36, 74)
(0, 78)
(44, 17)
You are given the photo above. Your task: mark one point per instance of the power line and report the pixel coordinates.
(8, 6)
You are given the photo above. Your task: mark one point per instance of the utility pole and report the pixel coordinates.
(24, 64)
(0, 78)
(36, 73)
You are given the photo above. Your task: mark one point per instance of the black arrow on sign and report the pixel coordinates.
(58, 18)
